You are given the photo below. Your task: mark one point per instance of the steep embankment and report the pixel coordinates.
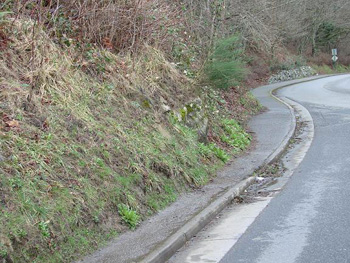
(92, 142)
(110, 109)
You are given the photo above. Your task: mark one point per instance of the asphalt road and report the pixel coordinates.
(309, 221)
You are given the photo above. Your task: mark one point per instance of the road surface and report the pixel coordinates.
(309, 221)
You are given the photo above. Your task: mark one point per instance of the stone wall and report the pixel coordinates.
(284, 75)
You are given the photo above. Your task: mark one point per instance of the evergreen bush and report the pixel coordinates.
(225, 67)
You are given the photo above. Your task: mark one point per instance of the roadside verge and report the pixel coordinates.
(160, 236)
(198, 222)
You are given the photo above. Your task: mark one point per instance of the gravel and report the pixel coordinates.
(284, 75)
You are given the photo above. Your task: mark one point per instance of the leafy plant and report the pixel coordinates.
(129, 216)
(44, 228)
(235, 135)
(160, 201)
(219, 153)
(204, 150)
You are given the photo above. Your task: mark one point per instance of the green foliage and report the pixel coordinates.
(325, 69)
(160, 201)
(211, 149)
(3, 15)
(226, 67)
(44, 229)
(16, 183)
(235, 135)
(341, 68)
(219, 153)
(205, 150)
(328, 34)
(250, 103)
(185, 55)
(129, 215)
(3, 251)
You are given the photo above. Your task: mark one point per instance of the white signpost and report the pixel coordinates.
(334, 56)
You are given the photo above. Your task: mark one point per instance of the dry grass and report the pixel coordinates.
(35, 72)
(82, 133)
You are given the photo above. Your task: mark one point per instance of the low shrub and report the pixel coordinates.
(128, 215)
(226, 68)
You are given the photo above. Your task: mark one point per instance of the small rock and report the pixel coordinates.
(203, 131)
(305, 71)
(166, 108)
(259, 179)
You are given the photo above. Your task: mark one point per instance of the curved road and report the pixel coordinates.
(309, 221)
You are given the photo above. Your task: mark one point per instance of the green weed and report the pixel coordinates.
(200, 175)
(3, 251)
(235, 135)
(325, 69)
(205, 150)
(220, 153)
(44, 229)
(341, 68)
(211, 149)
(128, 215)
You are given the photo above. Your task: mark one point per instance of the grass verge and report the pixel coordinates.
(86, 150)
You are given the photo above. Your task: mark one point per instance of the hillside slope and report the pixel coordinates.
(91, 145)
(111, 109)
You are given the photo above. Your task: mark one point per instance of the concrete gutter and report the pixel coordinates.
(273, 93)
(169, 247)
(196, 224)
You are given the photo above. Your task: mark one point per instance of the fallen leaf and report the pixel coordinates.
(12, 124)
(107, 43)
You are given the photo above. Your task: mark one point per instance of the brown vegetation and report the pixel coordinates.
(191, 26)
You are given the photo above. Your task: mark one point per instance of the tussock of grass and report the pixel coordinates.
(84, 155)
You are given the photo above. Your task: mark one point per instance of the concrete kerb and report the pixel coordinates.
(177, 240)
(197, 223)
(285, 143)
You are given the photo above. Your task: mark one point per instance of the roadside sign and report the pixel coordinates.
(334, 52)
(334, 58)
